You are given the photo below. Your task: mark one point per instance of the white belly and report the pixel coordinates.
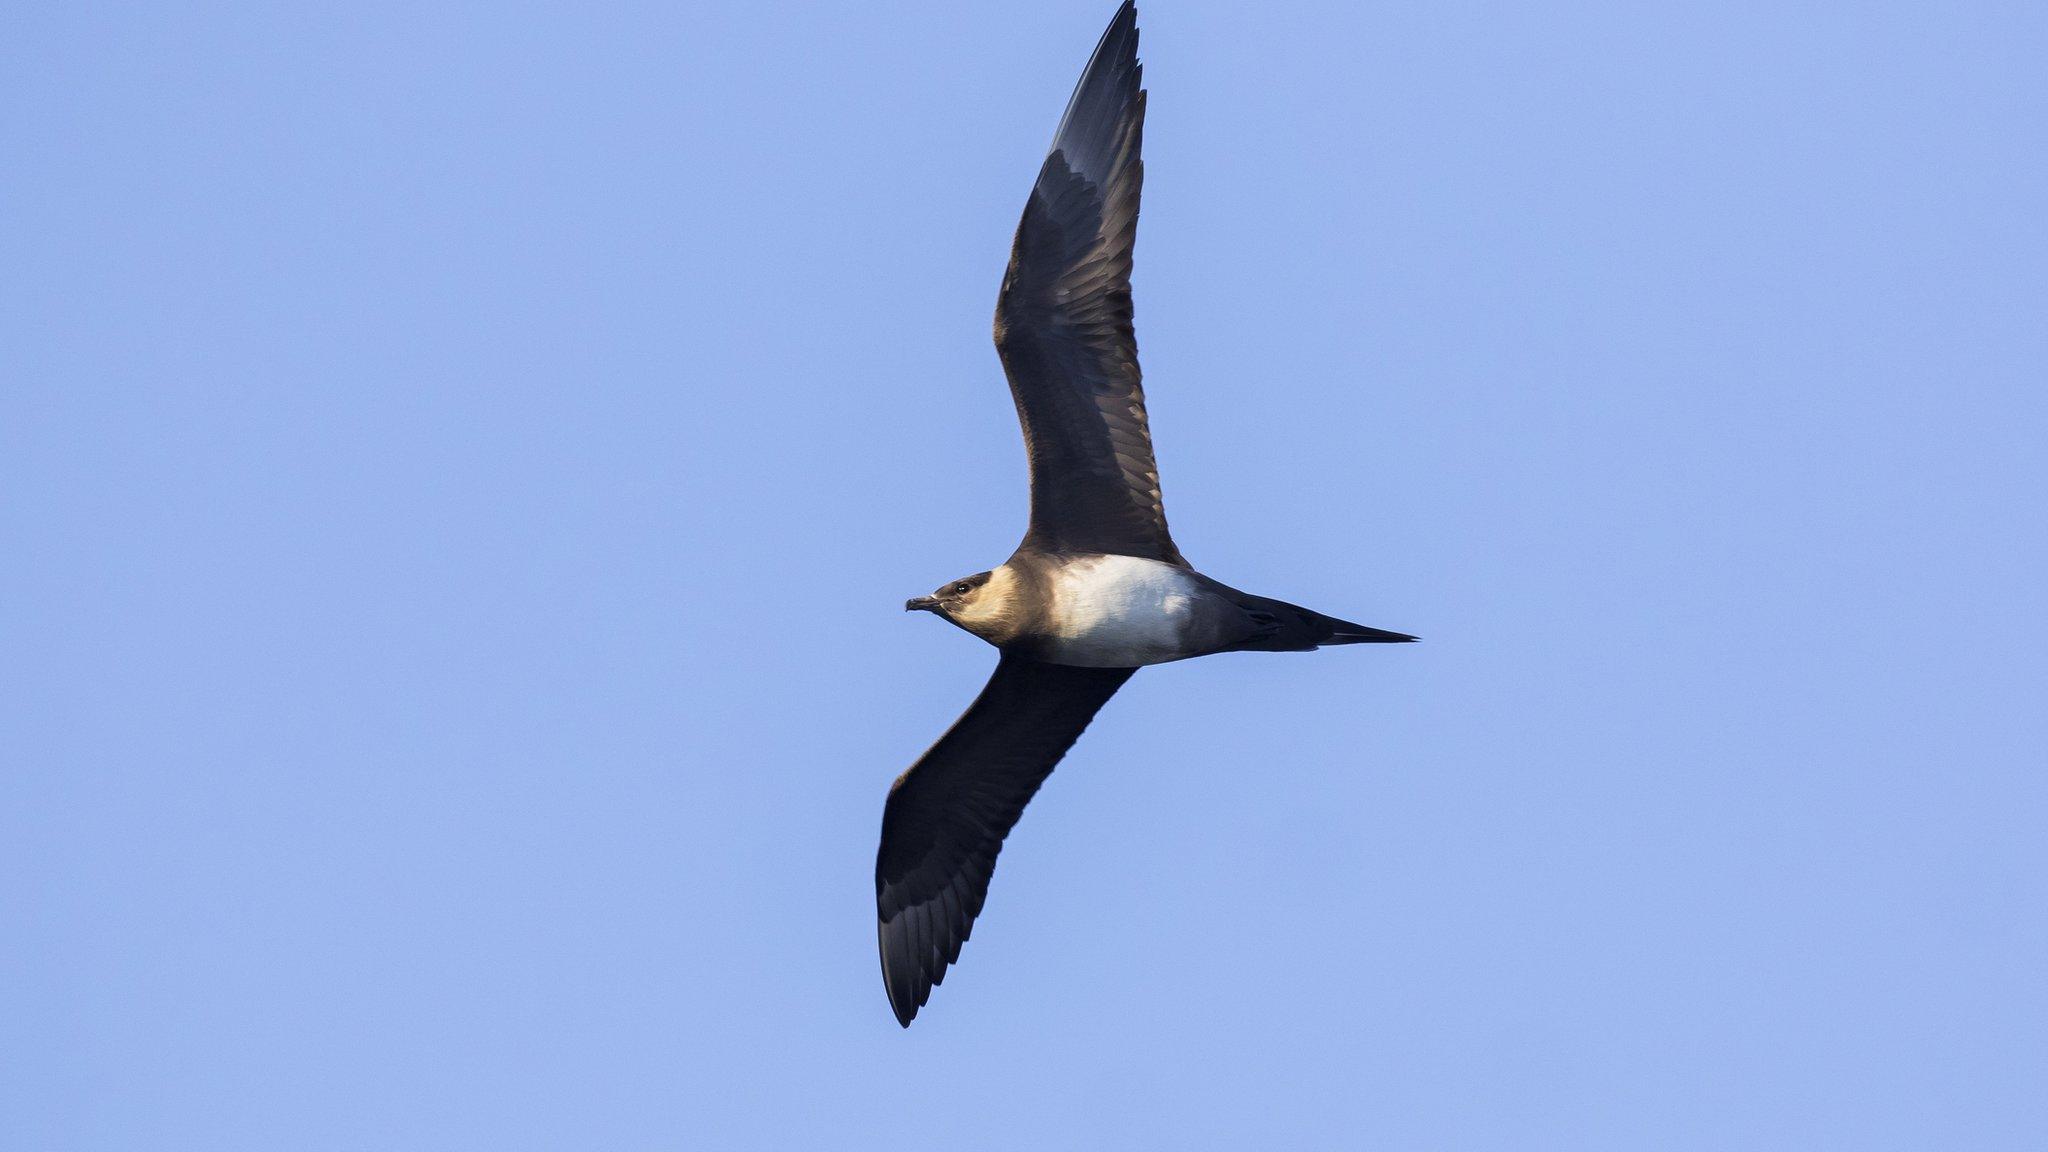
(1120, 612)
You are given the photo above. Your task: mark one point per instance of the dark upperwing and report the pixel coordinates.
(1063, 323)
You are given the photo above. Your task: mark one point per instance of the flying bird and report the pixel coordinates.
(1097, 589)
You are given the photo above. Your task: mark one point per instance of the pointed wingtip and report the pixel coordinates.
(1109, 88)
(903, 1005)
(897, 979)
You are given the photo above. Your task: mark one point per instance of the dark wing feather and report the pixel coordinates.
(1063, 323)
(946, 818)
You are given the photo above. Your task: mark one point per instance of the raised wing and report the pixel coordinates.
(946, 818)
(1063, 323)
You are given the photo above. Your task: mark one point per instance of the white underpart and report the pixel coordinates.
(1120, 612)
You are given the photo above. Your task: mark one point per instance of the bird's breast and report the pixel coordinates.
(1119, 612)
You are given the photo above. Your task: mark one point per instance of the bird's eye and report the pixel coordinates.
(962, 589)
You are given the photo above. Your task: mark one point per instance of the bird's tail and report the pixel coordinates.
(1285, 627)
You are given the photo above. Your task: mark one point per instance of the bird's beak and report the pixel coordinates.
(921, 604)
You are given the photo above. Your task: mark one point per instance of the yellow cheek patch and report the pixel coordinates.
(990, 602)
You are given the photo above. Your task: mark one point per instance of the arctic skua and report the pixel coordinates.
(1097, 589)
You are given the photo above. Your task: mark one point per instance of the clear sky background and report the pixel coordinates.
(461, 467)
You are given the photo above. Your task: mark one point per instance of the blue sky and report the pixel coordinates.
(462, 466)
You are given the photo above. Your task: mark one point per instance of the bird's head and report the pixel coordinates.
(980, 603)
